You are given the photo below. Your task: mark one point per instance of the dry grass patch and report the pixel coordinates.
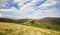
(17, 29)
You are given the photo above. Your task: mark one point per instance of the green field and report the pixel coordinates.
(45, 25)
(18, 29)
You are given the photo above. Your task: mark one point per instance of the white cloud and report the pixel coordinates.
(12, 9)
(29, 7)
(48, 3)
(1, 15)
(3, 2)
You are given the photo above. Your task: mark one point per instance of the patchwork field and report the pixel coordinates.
(18, 29)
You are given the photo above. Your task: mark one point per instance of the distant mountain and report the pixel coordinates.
(13, 20)
(46, 19)
(50, 19)
(7, 20)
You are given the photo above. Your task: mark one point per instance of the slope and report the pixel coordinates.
(17, 29)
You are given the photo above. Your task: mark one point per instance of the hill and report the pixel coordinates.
(46, 19)
(13, 20)
(53, 20)
(46, 23)
(16, 29)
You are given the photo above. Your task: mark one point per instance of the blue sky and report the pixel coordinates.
(33, 9)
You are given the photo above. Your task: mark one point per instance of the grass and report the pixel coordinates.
(17, 29)
(45, 25)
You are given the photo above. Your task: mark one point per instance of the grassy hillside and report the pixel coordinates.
(45, 25)
(17, 29)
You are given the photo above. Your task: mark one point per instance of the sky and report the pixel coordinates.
(30, 9)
